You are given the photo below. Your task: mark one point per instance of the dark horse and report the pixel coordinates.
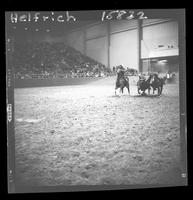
(122, 82)
(157, 84)
(143, 85)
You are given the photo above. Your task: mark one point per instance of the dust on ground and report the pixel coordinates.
(85, 135)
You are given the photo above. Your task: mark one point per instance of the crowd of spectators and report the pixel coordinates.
(128, 71)
(54, 60)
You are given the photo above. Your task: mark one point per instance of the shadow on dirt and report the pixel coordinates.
(148, 96)
(115, 96)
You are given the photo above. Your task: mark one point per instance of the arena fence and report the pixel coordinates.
(24, 83)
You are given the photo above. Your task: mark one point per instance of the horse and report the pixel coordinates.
(143, 85)
(122, 82)
(157, 83)
(164, 80)
(171, 77)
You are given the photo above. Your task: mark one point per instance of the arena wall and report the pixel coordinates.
(122, 25)
(98, 49)
(119, 44)
(123, 49)
(160, 39)
(95, 31)
(76, 40)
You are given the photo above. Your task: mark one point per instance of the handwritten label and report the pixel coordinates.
(10, 176)
(9, 77)
(183, 175)
(9, 112)
(122, 14)
(66, 16)
(35, 17)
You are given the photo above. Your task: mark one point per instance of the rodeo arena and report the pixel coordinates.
(97, 103)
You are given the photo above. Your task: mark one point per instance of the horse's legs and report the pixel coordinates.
(138, 91)
(161, 89)
(115, 90)
(121, 90)
(158, 90)
(143, 92)
(149, 91)
(128, 89)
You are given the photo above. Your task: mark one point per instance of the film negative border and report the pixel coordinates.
(10, 113)
(12, 188)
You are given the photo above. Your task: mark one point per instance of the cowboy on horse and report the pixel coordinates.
(122, 80)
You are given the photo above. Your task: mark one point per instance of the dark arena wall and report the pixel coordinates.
(27, 83)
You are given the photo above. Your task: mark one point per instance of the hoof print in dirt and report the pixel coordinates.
(142, 138)
(75, 154)
(52, 131)
(85, 175)
(138, 158)
(67, 182)
(79, 139)
(108, 181)
(169, 139)
(90, 166)
(143, 94)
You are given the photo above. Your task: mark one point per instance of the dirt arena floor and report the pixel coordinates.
(85, 135)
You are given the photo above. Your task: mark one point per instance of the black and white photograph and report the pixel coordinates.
(95, 100)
